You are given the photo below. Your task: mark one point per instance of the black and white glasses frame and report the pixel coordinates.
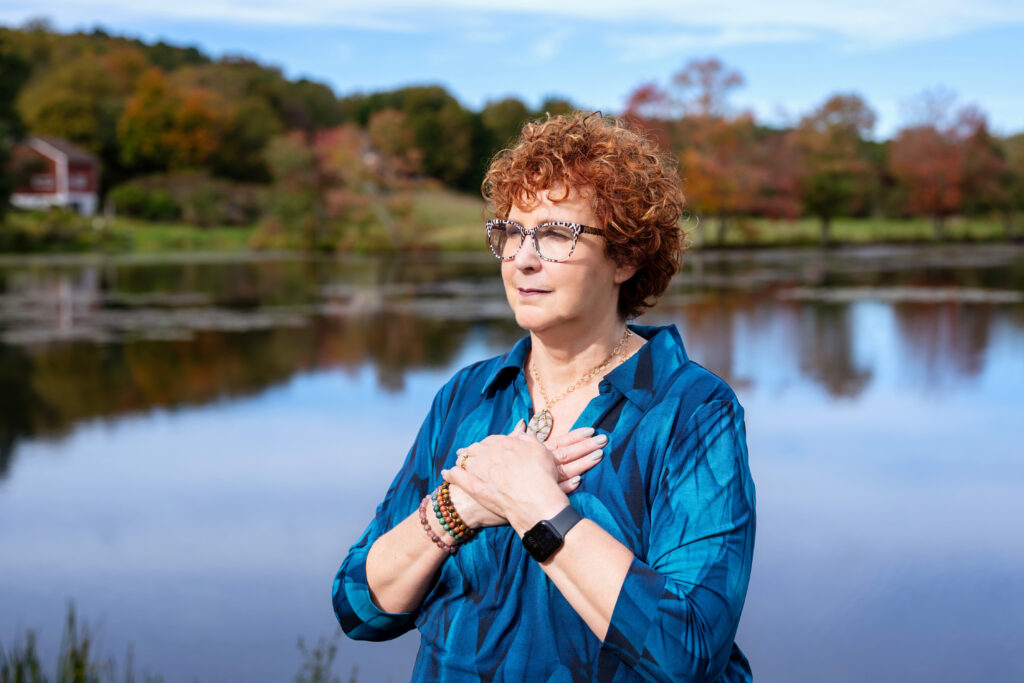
(502, 225)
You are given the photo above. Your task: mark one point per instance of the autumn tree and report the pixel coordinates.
(394, 146)
(929, 162)
(165, 127)
(719, 176)
(716, 144)
(929, 157)
(717, 147)
(365, 187)
(776, 165)
(987, 175)
(834, 170)
(704, 86)
(648, 108)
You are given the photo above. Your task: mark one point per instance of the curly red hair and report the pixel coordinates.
(634, 186)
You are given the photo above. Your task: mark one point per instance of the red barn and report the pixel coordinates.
(58, 173)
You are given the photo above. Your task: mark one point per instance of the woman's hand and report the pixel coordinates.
(572, 455)
(518, 479)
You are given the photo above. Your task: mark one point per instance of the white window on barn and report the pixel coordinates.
(42, 182)
(78, 181)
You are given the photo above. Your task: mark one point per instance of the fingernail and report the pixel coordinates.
(597, 455)
(601, 438)
(444, 473)
(520, 424)
(575, 480)
(586, 431)
(461, 452)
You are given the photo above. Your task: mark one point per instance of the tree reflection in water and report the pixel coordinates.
(101, 340)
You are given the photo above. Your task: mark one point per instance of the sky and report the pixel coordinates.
(793, 54)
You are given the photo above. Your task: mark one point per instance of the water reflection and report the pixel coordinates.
(98, 340)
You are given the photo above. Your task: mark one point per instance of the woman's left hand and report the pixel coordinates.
(515, 476)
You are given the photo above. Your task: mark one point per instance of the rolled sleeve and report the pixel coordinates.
(635, 612)
(678, 609)
(358, 615)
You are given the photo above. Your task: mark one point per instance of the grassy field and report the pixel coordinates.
(455, 222)
(162, 237)
(449, 221)
(52, 232)
(807, 231)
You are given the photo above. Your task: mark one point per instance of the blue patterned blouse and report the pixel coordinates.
(674, 487)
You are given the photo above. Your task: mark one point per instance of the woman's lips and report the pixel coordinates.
(532, 292)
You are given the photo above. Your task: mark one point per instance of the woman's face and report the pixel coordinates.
(579, 293)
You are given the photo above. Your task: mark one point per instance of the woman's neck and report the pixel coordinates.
(561, 357)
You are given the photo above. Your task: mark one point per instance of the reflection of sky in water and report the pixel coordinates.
(889, 503)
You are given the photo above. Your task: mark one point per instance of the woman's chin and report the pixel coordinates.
(532, 320)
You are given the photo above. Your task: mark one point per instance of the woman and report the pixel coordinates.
(579, 508)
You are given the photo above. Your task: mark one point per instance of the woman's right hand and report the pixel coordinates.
(573, 454)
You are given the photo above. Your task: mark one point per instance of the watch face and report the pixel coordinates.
(542, 541)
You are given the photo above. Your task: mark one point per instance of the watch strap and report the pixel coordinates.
(565, 520)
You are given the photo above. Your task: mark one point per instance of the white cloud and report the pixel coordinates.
(648, 46)
(545, 48)
(858, 25)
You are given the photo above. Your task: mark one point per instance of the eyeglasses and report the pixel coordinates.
(553, 240)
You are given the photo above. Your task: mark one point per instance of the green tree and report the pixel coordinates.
(296, 205)
(1014, 150)
(555, 105)
(314, 103)
(835, 170)
(13, 73)
(450, 138)
(77, 100)
(503, 120)
(82, 100)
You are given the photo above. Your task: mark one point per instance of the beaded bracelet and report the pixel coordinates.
(448, 518)
(461, 528)
(449, 548)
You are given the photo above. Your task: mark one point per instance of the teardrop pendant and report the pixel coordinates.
(540, 425)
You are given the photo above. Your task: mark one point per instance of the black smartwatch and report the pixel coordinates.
(547, 535)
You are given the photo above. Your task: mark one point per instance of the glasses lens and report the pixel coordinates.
(555, 242)
(505, 239)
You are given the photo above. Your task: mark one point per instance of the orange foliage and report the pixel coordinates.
(165, 126)
(929, 162)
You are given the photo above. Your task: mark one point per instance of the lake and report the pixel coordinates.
(188, 446)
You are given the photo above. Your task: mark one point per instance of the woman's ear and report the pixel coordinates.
(624, 272)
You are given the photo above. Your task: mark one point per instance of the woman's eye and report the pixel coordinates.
(555, 234)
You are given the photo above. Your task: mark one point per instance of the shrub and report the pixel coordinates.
(150, 204)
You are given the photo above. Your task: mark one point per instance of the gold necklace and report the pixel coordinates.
(541, 423)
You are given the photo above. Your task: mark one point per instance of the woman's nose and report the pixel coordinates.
(526, 258)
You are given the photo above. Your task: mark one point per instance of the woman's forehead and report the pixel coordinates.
(557, 193)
